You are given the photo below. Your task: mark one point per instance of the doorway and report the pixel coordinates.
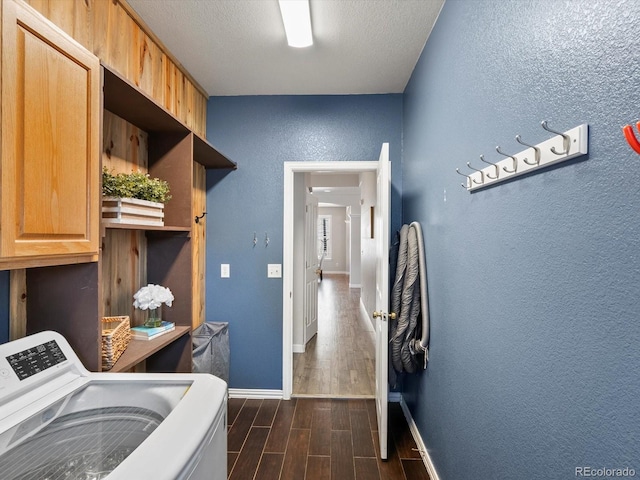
(296, 187)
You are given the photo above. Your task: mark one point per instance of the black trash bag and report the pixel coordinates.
(211, 349)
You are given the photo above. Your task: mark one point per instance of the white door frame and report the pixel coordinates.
(291, 168)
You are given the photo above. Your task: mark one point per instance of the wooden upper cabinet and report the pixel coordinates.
(51, 110)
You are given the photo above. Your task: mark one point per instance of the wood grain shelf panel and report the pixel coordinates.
(131, 226)
(139, 350)
(209, 156)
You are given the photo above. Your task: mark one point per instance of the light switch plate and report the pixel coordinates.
(224, 270)
(274, 270)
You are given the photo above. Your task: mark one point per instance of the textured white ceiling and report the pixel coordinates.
(238, 47)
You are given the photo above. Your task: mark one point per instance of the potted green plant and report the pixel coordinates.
(133, 198)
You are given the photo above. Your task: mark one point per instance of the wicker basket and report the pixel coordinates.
(116, 335)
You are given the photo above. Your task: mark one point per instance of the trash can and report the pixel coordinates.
(211, 349)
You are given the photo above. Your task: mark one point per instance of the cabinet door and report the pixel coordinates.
(50, 140)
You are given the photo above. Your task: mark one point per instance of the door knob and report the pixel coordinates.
(391, 315)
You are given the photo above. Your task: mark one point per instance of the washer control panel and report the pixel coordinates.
(36, 359)
(32, 361)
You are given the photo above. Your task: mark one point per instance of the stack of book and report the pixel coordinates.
(149, 333)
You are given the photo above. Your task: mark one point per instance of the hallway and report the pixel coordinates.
(340, 360)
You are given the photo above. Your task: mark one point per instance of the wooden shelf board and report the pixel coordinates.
(127, 101)
(139, 350)
(129, 226)
(207, 155)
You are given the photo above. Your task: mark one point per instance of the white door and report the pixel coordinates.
(311, 267)
(381, 235)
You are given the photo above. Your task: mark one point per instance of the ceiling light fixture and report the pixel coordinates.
(296, 17)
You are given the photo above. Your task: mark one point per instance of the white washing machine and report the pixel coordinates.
(60, 421)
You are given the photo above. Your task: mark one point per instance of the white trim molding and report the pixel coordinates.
(424, 453)
(254, 393)
(291, 168)
(298, 348)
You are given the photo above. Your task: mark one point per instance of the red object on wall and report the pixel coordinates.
(631, 137)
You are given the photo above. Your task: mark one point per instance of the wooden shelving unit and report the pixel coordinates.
(72, 298)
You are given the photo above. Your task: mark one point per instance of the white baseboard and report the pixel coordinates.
(254, 393)
(355, 285)
(297, 348)
(424, 453)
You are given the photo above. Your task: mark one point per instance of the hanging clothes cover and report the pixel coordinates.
(410, 331)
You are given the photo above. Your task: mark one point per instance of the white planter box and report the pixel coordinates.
(132, 211)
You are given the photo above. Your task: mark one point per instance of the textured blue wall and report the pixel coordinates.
(260, 133)
(534, 284)
(4, 307)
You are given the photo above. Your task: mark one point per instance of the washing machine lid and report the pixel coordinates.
(88, 433)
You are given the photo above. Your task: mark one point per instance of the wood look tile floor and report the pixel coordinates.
(340, 360)
(317, 439)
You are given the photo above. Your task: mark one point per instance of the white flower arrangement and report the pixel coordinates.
(152, 296)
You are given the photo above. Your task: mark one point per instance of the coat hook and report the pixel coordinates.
(469, 180)
(536, 150)
(266, 239)
(566, 140)
(198, 218)
(481, 175)
(496, 167)
(631, 138)
(255, 239)
(515, 160)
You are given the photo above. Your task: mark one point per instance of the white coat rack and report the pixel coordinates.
(560, 148)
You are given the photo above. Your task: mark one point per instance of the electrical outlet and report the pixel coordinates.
(274, 270)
